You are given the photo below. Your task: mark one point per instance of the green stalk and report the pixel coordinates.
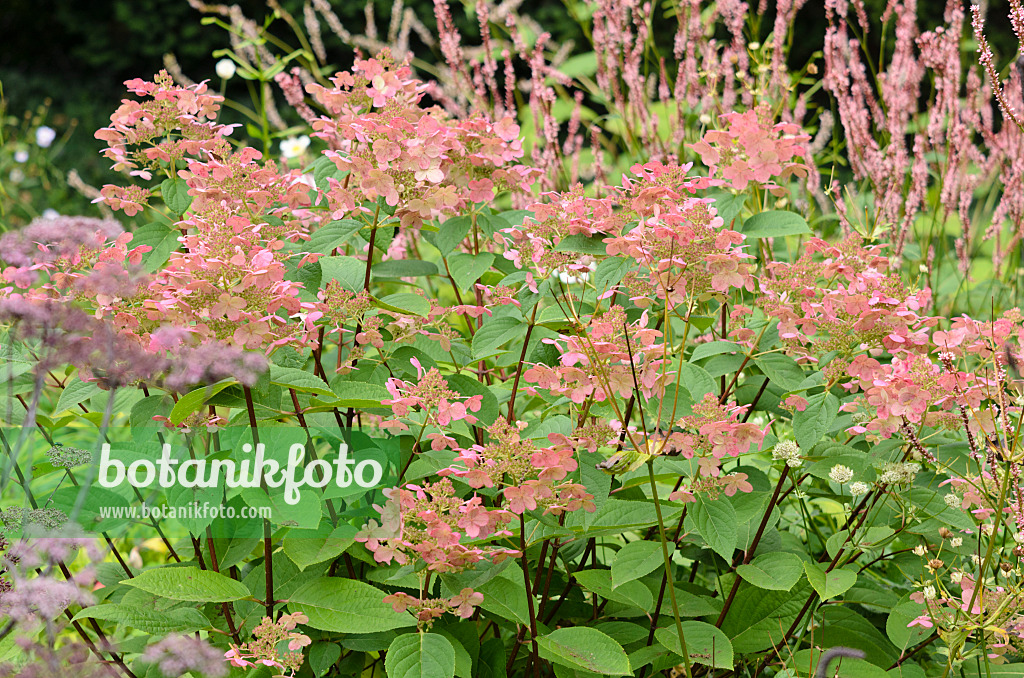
(668, 570)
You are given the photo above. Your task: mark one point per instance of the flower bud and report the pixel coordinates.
(225, 69)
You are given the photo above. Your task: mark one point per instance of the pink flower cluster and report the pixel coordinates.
(750, 148)
(530, 477)
(428, 522)
(431, 395)
(462, 605)
(416, 159)
(600, 361)
(844, 298)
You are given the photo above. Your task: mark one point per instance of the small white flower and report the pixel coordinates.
(795, 462)
(976, 559)
(951, 500)
(858, 488)
(16, 176)
(225, 69)
(928, 593)
(956, 542)
(45, 136)
(987, 529)
(920, 550)
(21, 156)
(50, 213)
(956, 576)
(840, 474)
(573, 276)
(1019, 537)
(293, 147)
(787, 449)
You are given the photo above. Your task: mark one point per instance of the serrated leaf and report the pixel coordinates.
(162, 238)
(189, 583)
(494, 333)
(704, 643)
(357, 394)
(332, 235)
(147, 620)
(584, 648)
(299, 380)
(322, 656)
(466, 269)
(193, 400)
(781, 370)
(714, 348)
(405, 303)
(175, 194)
(505, 599)
(636, 559)
(451, 233)
(774, 224)
(810, 425)
(75, 393)
(716, 522)
(779, 571)
(420, 655)
(582, 244)
(829, 584)
(346, 606)
(629, 593)
(403, 268)
(308, 547)
(348, 271)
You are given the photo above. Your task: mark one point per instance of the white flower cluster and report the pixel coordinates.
(858, 488)
(952, 500)
(787, 451)
(894, 473)
(841, 474)
(928, 592)
(920, 550)
(956, 542)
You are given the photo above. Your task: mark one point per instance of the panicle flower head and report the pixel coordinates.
(840, 474)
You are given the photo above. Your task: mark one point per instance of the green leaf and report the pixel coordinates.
(307, 547)
(347, 606)
(704, 643)
(333, 235)
(466, 269)
(714, 348)
(348, 271)
(175, 195)
(451, 233)
(781, 370)
(357, 394)
(161, 238)
(403, 268)
(300, 380)
(75, 393)
(842, 626)
(494, 333)
(775, 223)
(505, 599)
(189, 583)
(406, 303)
(716, 522)
(979, 669)
(629, 593)
(492, 659)
(582, 244)
(779, 571)
(758, 619)
(193, 400)
(148, 620)
(901, 635)
(585, 648)
(728, 205)
(322, 656)
(468, 386)
(829, 584)
(420, 655)
(810, 425)
(636, 559)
